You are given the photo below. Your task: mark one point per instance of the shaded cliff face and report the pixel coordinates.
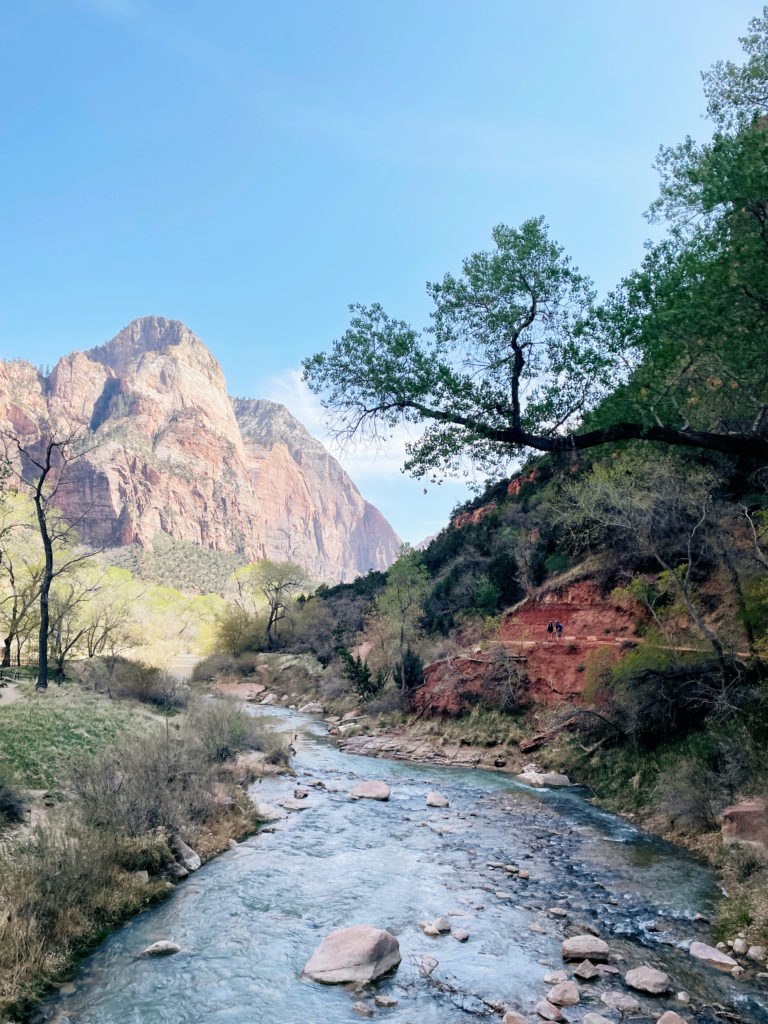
(311, 508)
(174, 454)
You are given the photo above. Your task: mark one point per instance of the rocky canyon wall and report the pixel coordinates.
(172, 453)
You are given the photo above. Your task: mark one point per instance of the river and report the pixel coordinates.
(249, 920)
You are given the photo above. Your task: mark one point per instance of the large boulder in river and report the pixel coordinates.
(710, 955)
(564, 993)
(185, 855)
(361, 953)
(312, 708)
(436, 800)
(162, 948)
(267, 812)
(553, 780)
(585, 947)
(647, 979)
(371, 789)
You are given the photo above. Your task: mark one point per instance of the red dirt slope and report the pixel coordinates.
(555, 670)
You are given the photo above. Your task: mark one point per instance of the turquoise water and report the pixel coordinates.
(248, 921)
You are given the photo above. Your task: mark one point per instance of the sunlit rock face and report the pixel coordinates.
(173, 453)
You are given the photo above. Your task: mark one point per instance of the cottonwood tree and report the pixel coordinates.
(394, 623)
(274, 582)
(20, 569)
(41, 465)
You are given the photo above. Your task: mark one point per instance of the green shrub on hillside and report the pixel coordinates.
(180, 564)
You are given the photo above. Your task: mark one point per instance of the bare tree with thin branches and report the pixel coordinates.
(41, 464)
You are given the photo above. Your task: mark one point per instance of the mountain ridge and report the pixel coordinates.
(177, 455)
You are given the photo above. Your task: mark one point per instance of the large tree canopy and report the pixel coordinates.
(518, 356)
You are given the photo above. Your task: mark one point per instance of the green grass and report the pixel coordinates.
(39, 733)
(482, 727)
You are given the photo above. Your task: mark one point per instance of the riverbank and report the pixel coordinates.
(518, 870)
(112, 804)
(401, 744)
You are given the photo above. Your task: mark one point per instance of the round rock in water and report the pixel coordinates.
(648, 979)
(710, 955)
(565, 993)
(161, 948)
(361, 953)
(546, 1010)
(620, 1001)
(436, 800)
(585, 947)
(513, 1017)
(371, 789)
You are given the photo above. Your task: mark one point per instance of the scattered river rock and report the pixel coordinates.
(620, 1001)
(710, 955)
(161, 948)
(565, 993)
(648, 979)
(585, 947)
(670, 1017)
(386, 1001)
(361, 953)
(548, 1011)
(371, 789)
(436, 800)
(291, 804)
(552, 780)
(427, 965)
(587, 971)
(267, 812)
(513, 1017)
(185, 854)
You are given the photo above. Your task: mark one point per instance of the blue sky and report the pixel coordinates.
(252, 168)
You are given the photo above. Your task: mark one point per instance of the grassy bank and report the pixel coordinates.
(106, 790)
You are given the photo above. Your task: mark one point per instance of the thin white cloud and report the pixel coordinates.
(362, 461)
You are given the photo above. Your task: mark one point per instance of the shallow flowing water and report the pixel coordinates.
(248, 921)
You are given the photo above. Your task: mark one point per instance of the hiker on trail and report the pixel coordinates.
(550, 630)
(558, 630)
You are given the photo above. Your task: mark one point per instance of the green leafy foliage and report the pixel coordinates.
(179, 564)
(359, 676)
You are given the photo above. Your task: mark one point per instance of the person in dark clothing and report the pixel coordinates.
(550, 630)
(558, 630)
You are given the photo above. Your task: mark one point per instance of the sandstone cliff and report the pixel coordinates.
(175, 455)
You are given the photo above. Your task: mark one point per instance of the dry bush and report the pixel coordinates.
(690, 796)
(146, 783)
(392, 700)
(65, 885)
(59, 890)
(212, 666)
(219, 729)
(135, 680)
